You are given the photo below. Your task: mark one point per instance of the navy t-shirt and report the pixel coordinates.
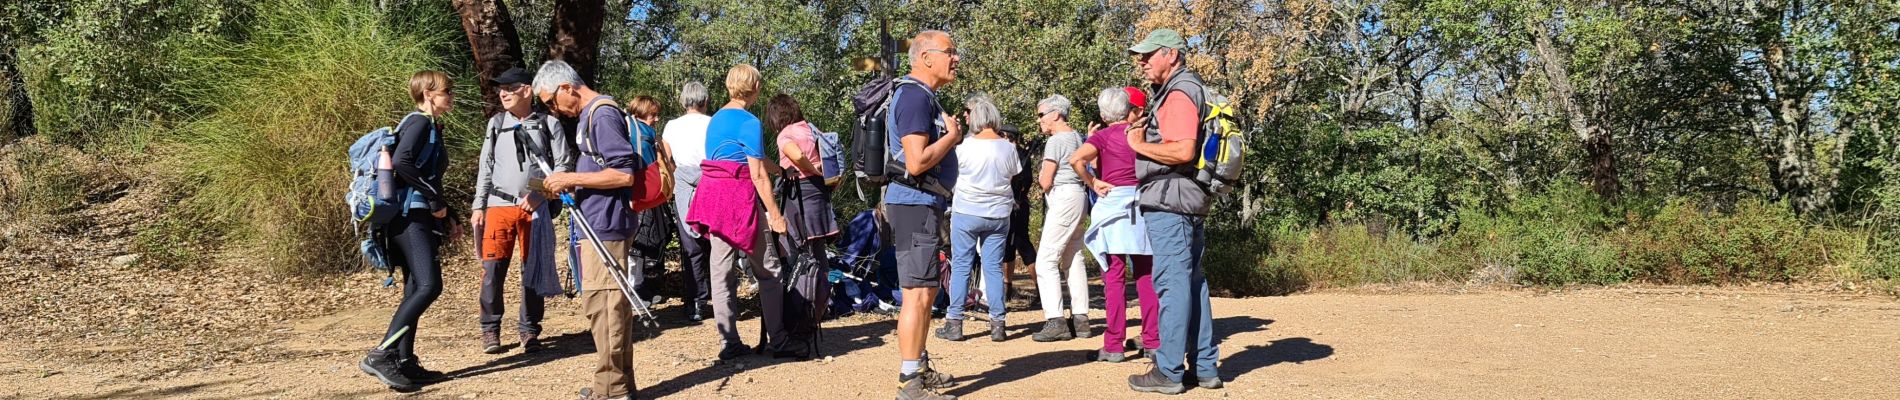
(609, 147)
(914, 111)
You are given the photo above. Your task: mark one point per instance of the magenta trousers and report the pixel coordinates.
(1115, 288)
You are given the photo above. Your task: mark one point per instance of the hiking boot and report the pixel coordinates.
(588, 394)
(382, 365)
(952, 330)
(1153, 382)
(1209, 383)
(733, 350)
(530, 342)
(1108, 356)
(913, 387)
(491, 342)
(413, 370)
(1054, 329)
(996, 331)
(934, 379)
(1081, 326)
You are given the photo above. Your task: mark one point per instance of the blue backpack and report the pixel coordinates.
(369, 208)
(830, 155)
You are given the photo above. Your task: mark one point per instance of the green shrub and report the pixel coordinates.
(1685, 244)
(101, 64)
(285, 105)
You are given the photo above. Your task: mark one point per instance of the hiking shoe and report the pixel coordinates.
(530, 342)
(588, 394)
(413, 370)
(932, 378)
(1054, 329)
(491, 342)
(1108, 356)
(1153, 382)
(382, 365)
(914, 387)
(952, 330)
(733, 350)
(996, 331)
(1081, 326)
(1209, 383)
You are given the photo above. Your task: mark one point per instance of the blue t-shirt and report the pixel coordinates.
(734, 135)
(606, 146)
(914, 111)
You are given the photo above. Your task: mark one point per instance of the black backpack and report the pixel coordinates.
(868, 134)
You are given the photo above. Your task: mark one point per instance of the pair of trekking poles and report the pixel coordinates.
(621, 278)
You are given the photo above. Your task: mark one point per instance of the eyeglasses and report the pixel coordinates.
(948, 52)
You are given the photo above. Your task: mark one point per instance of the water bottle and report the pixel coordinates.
(385, 177)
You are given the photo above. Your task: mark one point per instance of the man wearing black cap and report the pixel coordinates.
(506, 210)
(1175, 208)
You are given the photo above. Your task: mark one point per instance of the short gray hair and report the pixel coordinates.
(1054, 104)
(554, 73)
(1114, 104)
(917, 49)
(983, 113)
(693, 96)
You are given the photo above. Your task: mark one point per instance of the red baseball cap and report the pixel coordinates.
(1136, 97)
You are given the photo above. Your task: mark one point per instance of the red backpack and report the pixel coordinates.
(653, 184)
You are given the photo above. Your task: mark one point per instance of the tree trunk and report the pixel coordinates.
(1596, 141)
(496, 44)
(19, 121)
(574, 35)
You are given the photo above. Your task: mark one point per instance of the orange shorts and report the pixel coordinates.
(502, 227)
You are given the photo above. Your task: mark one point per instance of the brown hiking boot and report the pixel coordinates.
(1054, 329)
(530, 342)
(491, 342)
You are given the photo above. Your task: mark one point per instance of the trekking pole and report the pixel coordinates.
(580, 220)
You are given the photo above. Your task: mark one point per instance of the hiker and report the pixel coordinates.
(1061, 227)
(1018, 250)
(734, 196)
(811, 222)
(507, 212)
(921, 138)
(1116, 233)
(1174, 207)
(979, 215)
(418, 161)
(685, 137)
(646, 252)
(600, 184)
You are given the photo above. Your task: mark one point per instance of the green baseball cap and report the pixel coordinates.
(1158, 39)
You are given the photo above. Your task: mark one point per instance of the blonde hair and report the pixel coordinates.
(424, 82)
(643, 107)
(742, 82)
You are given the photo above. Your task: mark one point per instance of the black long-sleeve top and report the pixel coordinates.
(411, 139)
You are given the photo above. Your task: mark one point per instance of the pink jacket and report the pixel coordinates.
(725, 204)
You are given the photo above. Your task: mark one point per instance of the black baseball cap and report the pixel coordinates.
(513, 76)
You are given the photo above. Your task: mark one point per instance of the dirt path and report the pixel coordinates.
(1598, 343)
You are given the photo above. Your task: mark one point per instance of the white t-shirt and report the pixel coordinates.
(983, 170)
(686, 137)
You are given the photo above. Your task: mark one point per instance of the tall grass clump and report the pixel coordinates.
(285, 103)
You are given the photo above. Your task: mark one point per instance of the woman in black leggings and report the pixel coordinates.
(417, 161)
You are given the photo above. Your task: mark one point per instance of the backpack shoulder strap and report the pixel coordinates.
(584, 131)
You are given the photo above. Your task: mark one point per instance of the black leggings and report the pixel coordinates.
(412, 243)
